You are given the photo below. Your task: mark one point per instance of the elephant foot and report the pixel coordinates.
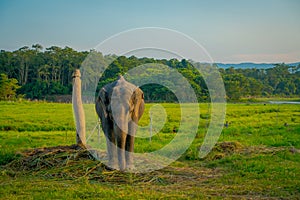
(130, 168)
(112, 167)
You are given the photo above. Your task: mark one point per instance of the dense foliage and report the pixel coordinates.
(42, 74)
(8, 87)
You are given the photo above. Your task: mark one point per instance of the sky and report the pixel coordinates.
(232, 31)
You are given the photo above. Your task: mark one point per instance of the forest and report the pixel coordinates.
(46, 74)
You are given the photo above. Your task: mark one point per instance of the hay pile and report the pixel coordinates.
(61, 161)
(227, 148)
(223, 149)
(75, 162)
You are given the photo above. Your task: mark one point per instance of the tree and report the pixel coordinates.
(41, 73)
(8, 87)
(255, 87)
(236, 85)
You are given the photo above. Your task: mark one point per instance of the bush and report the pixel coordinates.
(8, 87)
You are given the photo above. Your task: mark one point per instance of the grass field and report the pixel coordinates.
(257, 156)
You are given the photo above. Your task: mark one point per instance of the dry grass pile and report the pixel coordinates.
(75, 162)
(222, 149)
(60, 161)
(227, 148)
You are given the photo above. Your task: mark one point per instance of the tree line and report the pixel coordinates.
(38, 73)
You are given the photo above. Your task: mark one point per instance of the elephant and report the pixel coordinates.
(120, 105)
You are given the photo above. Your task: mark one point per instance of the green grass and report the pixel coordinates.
(38, 116)
(261, 165)
(273, 174)
(12, 142)
(263, 124)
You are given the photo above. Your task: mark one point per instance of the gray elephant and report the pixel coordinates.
(119, 106)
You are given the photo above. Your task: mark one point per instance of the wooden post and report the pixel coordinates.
(78, 109)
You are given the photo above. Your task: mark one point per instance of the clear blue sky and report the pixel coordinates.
(231, 31)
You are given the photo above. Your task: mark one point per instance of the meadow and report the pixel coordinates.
(257, 156)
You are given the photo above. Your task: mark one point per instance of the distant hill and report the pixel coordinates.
(248, 65)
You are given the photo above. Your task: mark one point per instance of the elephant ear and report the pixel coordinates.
(101, 104)
(138, 103)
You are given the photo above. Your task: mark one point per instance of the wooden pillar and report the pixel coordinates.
(78, 109)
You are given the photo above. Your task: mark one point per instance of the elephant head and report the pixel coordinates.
(119, 106)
